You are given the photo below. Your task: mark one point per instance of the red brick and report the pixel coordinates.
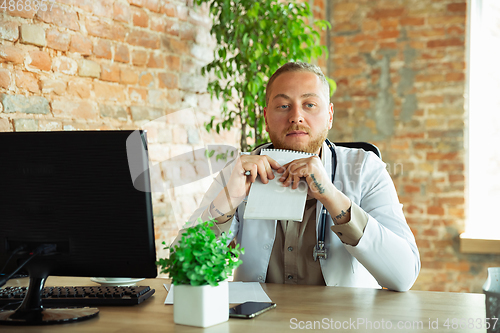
(168, 80)
(97, 8)
(188, 32)
(345, 27)
(156, 61)
(457, 212)
(80, 44)
(345, 7)
(146, 79)
(457, 7)
(432, 99)
(100, 28)
(450, 167)
(138, 94)
(56, 86)
(122, 54)
(430, 78)
(64, 65)
(138, 3)
(121, 12)
(109, 91)
(445, 42)
(430, 233)
(110, 73)
(140, 18)
(436, 31)
(456, 178)
(175, 46)
(158, 23)
(152, 5)
(74, 109)
(102, 49)
(26, 80)
(446, 20)
(9, 31)
(139, 57)
(61, 17)
(144, 39)
(169, 9)
(23, 13)
(456, 30)
(79, 88)
(386, 12)
(432, 156)
(367, 47)
(58, 40)
(455, 77)
(40, 60)
(411, 189)
(458, 266)
(435, 210)
(11, 54)
(128, 76)
(5, 125)
(412, 21)
(390, 45)
(388, 34)
(172, 27)
(389, 23)
(451, 201)
(173, 96)
(347, 71)
(173, 63)
(4, 78)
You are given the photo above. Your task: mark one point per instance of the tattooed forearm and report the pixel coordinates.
(320, 188)
(341, 215)
(212, 207)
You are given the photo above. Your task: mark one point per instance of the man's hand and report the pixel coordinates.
(258, 165)
(319, 183)
(320, 186)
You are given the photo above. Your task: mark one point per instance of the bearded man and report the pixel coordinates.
(366, 240)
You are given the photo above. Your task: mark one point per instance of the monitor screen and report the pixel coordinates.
(74, 190)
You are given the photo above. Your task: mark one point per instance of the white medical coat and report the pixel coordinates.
(386, 254)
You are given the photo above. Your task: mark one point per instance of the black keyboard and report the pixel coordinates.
(59, 297)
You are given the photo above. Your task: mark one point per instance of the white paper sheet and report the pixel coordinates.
(239, 292)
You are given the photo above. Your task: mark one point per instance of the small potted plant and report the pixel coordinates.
(199, 267)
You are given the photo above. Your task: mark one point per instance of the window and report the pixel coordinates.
(484, 120)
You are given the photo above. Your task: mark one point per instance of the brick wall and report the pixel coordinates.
(400, 67)
(399, 64)
(114, 64)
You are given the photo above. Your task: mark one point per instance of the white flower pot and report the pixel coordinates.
(201, 306)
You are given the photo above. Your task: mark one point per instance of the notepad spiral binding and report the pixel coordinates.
(287, 151)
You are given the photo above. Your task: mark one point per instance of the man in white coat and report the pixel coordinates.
(367, 242)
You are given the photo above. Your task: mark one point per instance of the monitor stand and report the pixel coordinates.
(31, 311)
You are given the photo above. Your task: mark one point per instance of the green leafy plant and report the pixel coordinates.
(201, 258)
(254, 38)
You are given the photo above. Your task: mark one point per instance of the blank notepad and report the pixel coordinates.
(272, 201)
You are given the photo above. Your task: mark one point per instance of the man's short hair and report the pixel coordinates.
(299, 67)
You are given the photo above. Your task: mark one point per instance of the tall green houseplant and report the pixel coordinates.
(254, 38)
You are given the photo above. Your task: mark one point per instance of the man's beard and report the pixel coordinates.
(312, 146)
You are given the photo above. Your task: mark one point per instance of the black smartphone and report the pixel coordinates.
(250, 309)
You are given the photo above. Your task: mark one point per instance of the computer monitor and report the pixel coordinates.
(75, 194)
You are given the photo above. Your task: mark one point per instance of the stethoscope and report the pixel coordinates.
(319, 250)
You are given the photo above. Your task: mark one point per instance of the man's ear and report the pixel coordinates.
(330, 118)
(265, 118)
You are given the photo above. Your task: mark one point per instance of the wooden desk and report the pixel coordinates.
(297, 307)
